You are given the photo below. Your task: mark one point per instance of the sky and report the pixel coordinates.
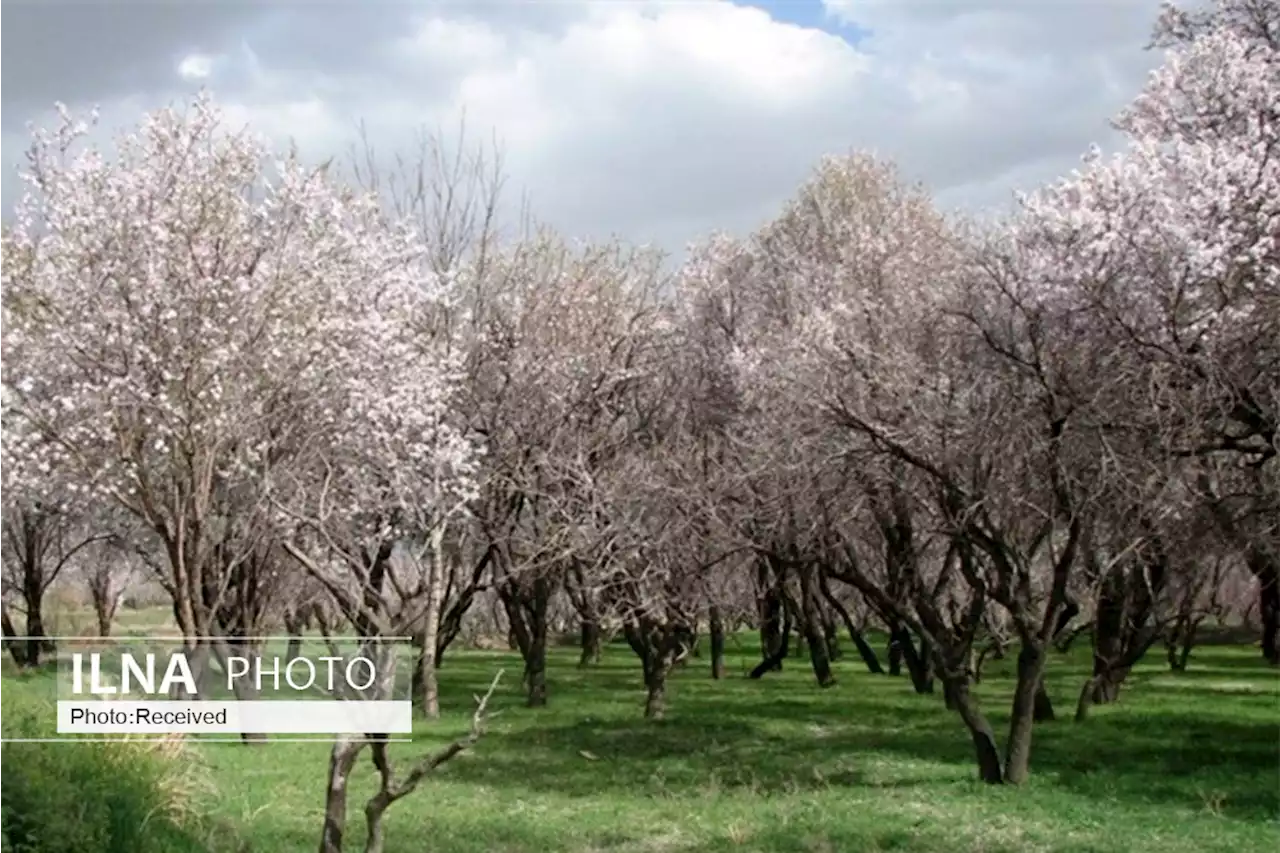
(658, 122)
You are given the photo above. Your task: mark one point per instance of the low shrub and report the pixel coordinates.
(117, 797)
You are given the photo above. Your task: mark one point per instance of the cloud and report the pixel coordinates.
(195, 66)
(659, 121)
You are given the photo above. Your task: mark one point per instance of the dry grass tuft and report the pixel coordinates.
(185, 782)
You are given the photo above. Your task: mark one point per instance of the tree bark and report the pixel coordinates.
(426, 686)
(526, 606)
(244, 689)
(917, 662)
(811, 624)
(894, 654)
(777, 653)
(1179, 642)
(1085, 701)
(1031, 663)
(591, 641)
(34, 600)
(717, 643)
(1043, 705)
(984, 739)
(1264, 568)
(11, 643)
(535, 669)
(655, 682)
(342, 758)
(865, 651)
(775, 635)
(436, 579)
(105, 602)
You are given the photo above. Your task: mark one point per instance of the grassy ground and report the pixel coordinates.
(1187, 762)
(1184, 764)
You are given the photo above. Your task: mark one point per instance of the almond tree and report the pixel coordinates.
(108, 581)
(48, 527)
(559, 335)
(170, 311)
(450, 192)
(376, 486)
(915, 432)
(1171, 248)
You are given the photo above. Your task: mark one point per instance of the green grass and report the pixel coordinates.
(1187, 762)
(779, 765)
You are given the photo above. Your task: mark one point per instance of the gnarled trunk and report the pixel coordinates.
(1031, 664)
(986, 752)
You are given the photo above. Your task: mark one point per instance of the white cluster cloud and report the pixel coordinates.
(660, 121)
(195, 66)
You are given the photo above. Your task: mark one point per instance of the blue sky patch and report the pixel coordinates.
(808, 13)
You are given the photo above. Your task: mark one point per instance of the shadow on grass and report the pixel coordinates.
(782, 734)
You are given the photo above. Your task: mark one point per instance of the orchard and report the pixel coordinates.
(288, 398)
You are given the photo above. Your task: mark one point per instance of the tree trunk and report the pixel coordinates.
(245, 690)
(426, 687)
(774, 636)
(917, 662)
(949, 695)
(717, 643)
(1108, 640)
(831, 633)
(1106, 686)
(1043, 712)
(526, 607)
(865, 651)
(819, 658)
(105, 600)
(342, 758)
(1031, 663)
(1121, 632)
(376, 807)
(591, 641)
(772, 663)
(984, 739)
(1086, 699)
(294, 650)
(293, 625)
(655, 682)
(35, 627)
(773, 660)
(10, 637)
(811, 625)
(1264, 568)
(1180, 642)
(436, 580)
(979, 658)
(104, 619)
(535, 669)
